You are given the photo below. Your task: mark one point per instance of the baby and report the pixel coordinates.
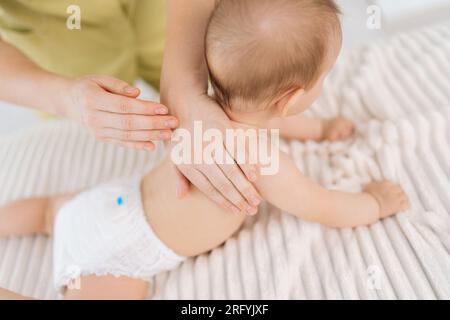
(267, 61)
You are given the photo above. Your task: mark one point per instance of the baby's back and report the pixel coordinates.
(189, 226)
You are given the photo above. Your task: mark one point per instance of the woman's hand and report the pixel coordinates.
(226, 184)
(109, 108)
(184, 83)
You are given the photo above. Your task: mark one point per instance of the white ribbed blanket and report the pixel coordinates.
(398, 93)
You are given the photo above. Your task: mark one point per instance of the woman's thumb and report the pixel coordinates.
(117, 86)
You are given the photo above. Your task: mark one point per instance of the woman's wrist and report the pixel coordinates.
(181, 100)
(63, 103)
(55, 93)
(179, 91)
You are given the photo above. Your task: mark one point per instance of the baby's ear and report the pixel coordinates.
(289, 100)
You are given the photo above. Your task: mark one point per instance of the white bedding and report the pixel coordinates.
(398, 93)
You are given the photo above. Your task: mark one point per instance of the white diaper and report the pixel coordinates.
(104, 231)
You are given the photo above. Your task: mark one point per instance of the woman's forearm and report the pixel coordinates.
(24, 83)
(184, 69)
(184, 84)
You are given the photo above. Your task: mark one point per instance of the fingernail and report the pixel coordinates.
(254, 200)
(162, 110)
(171, 123)
(130, 89)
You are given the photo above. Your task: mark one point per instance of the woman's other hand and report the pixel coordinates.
(109, 108)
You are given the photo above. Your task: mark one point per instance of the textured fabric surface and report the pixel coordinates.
(398, 94)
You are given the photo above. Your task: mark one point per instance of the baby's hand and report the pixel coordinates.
(390, 197)
(337, 129)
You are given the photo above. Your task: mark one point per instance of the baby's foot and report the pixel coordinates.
(390, 197)
(337, 129)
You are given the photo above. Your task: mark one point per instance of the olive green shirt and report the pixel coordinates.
(121, 38)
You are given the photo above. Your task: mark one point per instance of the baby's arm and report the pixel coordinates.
(292, 192)
(301, 127)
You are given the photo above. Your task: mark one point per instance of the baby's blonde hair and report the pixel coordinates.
(259, 49)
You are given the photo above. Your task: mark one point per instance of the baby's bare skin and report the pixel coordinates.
(300, 127)
(336, 129)
(189, 226)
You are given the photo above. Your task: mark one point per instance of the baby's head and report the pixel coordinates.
(271, 56)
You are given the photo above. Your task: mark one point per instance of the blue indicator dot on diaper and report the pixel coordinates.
(120, 201)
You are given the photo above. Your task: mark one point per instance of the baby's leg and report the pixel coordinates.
(31, 216)
(8, 295)
(108, 288)
(98, 288)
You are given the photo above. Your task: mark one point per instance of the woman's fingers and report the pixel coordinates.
(205, 186)
(239, 180)
(251, 171)
(109, 108)
(131, 122)
(109, 102)
(148, 145)
(115, 85)
(224, 185)
(135, 136)
(227, 179)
